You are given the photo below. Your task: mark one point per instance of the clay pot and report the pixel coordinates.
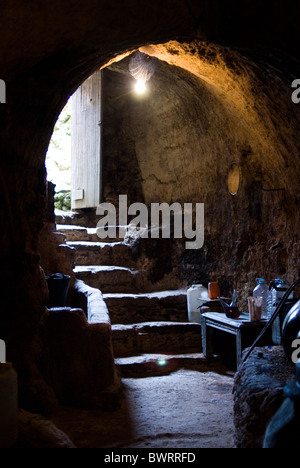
(232, 312)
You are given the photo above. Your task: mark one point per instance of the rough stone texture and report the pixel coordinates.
(131, 265)
(153, 364)
(77, 359)
(84, 219)
(55, 255)
(208, 108)
(42, 52)
(109, 278)
(49, 49)
(258, 388)
(96, 309)
(101, 253)
(157, 306)
(155, 337)
(76, 233)
(36, 431)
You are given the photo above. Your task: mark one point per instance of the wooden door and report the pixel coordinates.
(86, 144)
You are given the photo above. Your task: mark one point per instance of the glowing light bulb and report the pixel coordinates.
(140, 87)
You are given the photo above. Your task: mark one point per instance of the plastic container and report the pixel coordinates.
(262, 290)
(58, 286)
(8, 406)
(278, 288)
(255, 308)
(194, 293)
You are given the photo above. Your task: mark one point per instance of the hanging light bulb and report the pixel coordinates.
(140, 87)
(142, 68)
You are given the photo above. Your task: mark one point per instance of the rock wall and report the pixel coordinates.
(258, 394)
(206, 109)
(48, 49)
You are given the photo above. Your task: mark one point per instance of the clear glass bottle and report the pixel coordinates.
(234, 298)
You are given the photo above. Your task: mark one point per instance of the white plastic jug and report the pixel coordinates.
(194, 293)
(278, 289)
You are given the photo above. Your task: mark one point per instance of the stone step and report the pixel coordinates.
(108, 278)
(102, 253)
(80, 233)
(150, 365)
(77, 233)
(168, 306)
(156, 337)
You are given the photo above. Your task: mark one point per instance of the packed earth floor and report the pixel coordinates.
(185, 409)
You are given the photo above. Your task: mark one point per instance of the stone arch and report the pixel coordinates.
(49, 50)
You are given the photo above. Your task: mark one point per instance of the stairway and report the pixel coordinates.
(150, 330)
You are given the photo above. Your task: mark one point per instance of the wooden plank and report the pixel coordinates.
(86, 144)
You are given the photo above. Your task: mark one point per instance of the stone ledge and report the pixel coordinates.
(97, 312)
(36, 431)
(167, 306)
(77, 347)
(149, 365)
(258, 394)
(156, 337)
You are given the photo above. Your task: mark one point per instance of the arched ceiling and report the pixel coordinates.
(48, 48)
(250, 100)
(235, 50)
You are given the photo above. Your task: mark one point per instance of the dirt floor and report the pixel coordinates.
(186, 409)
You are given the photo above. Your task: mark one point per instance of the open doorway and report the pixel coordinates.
(86, 143)
(58, 159)
(74, 155)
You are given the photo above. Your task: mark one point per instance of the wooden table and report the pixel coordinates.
(244, 330)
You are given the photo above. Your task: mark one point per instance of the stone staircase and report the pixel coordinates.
(151, 334)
